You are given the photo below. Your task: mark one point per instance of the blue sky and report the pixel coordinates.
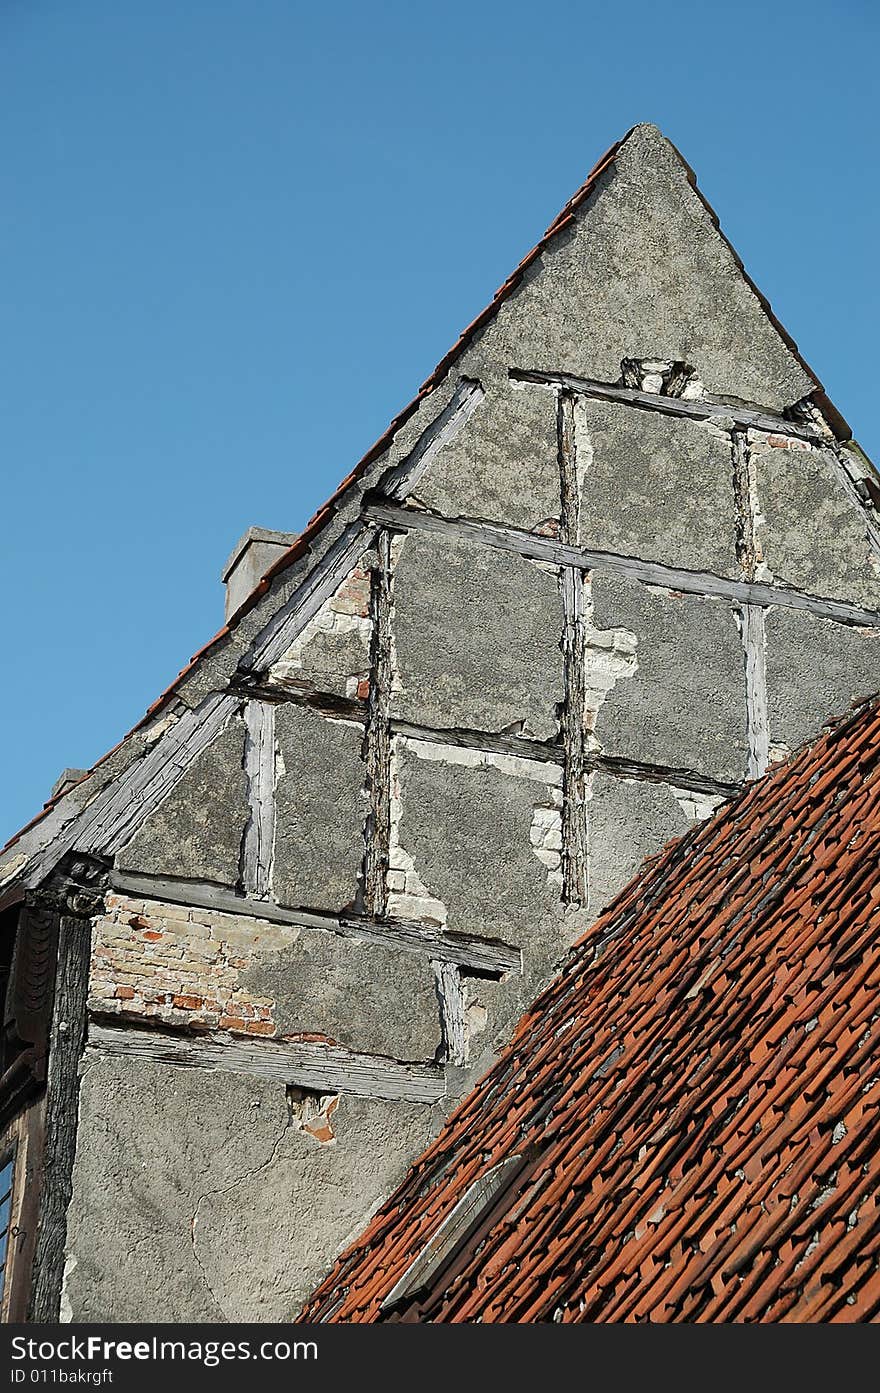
(235, 236)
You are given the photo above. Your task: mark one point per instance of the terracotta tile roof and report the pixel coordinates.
(696, 1094)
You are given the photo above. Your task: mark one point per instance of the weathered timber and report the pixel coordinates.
(754, 417)
(537, 548)
(62, 1094)
(575, 871)
(660, 774)
(483, 741)
(258, 842)
(116, 813)
(743, 503)
(757, 720)
(484, 954)
(399, 481)
(317, 587)
(453, 1022)
(377, 751)
(279, 693)
(294, 1063)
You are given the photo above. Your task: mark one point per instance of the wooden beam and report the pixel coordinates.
(484, 954)
(482, 741)
(377, 747)
(304, 1064)
(399, 481)
(753, 418)
(528, 544)
(757, 718)
(575, 869)
(62, 1102)
(258, 843)
(453, 1018)
(623, 768)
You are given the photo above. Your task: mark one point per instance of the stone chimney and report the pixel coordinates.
(251, 558)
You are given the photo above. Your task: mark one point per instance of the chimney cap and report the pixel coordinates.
(256, 534)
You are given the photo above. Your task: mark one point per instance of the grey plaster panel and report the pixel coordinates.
(160, 1148)
(320, 810)
(815, 670)
(628, 821)
(812, 536)
(468, 832)
(657, 488)
(478, 635)
(502, 465)
(365, 996)
(642, 272)
(197, 831)
(685, 706)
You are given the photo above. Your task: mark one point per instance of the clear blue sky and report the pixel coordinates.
(235, 236)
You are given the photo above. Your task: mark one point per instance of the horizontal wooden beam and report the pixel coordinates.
(688, 779)
(467, 950)
(757, 419)
(533, 547)
(480, 741)
(294, 1063)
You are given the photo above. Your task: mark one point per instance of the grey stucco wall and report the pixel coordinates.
(200, 1198)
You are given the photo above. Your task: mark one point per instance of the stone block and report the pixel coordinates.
(811, 535)
(502, 466)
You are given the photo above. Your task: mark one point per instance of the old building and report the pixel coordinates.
(618, 555)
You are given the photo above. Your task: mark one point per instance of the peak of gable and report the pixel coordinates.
(636, 267)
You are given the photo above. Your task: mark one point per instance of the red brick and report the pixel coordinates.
(232, 1023)
(124, 993)
(260, 1028)
(153, 935)
(188, 1003)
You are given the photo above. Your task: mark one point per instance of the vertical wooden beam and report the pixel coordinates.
(378, 734)
(67, 1039)
(752, 617)
(258, 843)
(453, 1022)
(757, 719)
(744, 511)
(574, 814)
